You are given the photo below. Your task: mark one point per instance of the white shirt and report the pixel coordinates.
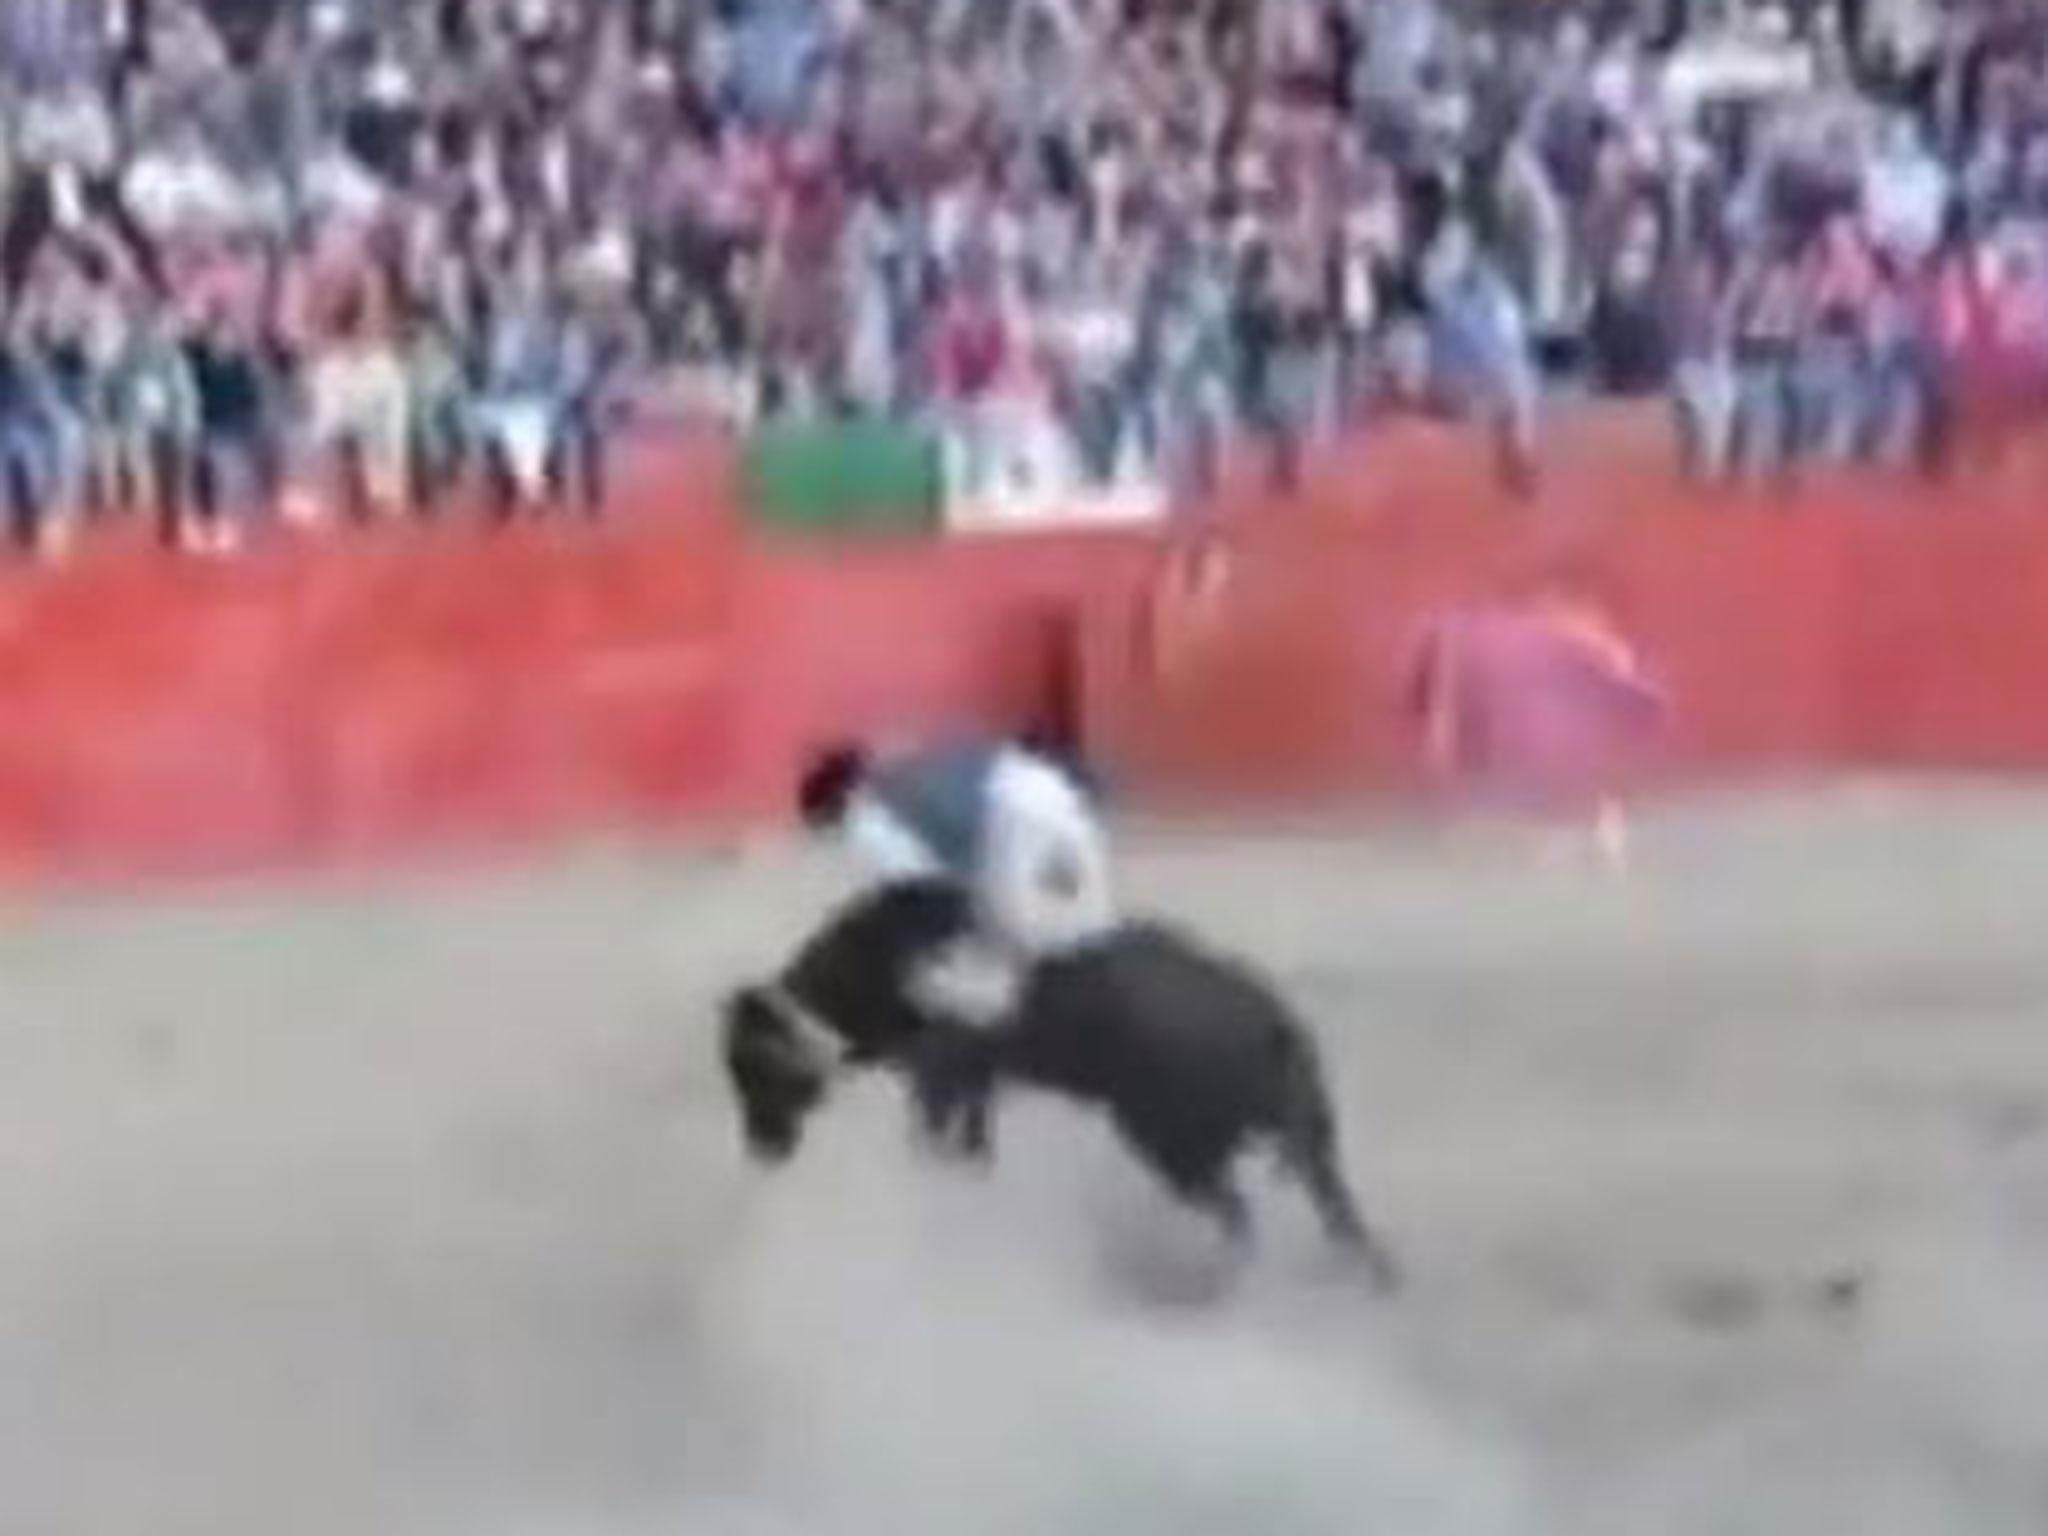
(1041, 880)
(887, 848)
(1905, 197)
(183, 190)
(1099, 337)
(1023, 791)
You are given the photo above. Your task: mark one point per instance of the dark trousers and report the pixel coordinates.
(221, 456)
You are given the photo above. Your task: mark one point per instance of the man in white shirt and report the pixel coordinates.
(1014, 828)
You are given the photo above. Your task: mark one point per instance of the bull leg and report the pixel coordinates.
(1313, 1161)
(937, 1123)
(975, 1117)
(1212, 1190)
(956, 1120)
(1308, 1145)
(1224, 1201)
(952, 1075)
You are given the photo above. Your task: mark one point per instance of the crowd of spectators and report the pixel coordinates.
(263, 254)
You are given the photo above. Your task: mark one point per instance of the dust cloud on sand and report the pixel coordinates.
(415, 1207)
(900, 1353)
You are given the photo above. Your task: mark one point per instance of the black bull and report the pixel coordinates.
(1191, 1056)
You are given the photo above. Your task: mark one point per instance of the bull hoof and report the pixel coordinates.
(770, 1154)
(1379, 1268)
(1383, 1272)
(951, 1144)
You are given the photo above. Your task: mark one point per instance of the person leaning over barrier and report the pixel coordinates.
(1018, 830)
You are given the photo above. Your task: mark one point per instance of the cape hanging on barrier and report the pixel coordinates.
(1536, 705)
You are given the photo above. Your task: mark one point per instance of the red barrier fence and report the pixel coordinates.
(1881, 623)
(378, 693)
(366, 695)
(912, 640)
(352, 701)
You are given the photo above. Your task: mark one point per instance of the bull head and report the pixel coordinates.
(779, 1066)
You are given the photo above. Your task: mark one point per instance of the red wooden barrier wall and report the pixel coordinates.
(345, 703)
(364, 695)
(911, 640)
(1864, 622)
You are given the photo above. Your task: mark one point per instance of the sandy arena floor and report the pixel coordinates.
(390, 1210)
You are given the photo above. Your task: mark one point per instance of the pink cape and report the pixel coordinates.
(1538, 709)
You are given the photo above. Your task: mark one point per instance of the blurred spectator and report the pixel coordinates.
(153, 422)
(1480, 343)
(28, 440)
(441, 433)
(1630, 337)
(972, 348)
(1769, 323)
(1706, 388)
(360, 417)
(1832, 373)
(1142, 230)
(236, 457)
(1905, 192)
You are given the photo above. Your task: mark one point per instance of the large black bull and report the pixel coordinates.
(1191, 1056)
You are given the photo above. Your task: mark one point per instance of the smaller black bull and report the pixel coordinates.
(1193, 1058)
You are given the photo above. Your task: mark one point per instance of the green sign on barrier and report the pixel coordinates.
(859, 475)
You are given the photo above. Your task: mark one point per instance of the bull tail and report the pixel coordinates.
(1303, 1113)
(1310, 1147)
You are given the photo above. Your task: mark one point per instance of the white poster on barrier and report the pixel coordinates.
(1011, 468)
